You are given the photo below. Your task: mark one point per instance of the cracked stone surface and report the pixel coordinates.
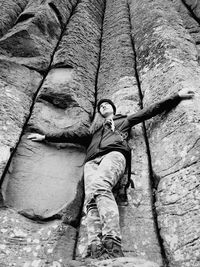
(120, 262)
(25, 243)
(119, 83)
(18, 86)
(176, 165)
(62, 103)
(10, 10)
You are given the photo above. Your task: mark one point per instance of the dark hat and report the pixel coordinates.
(107, 101)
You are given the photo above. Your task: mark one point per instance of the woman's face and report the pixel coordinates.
(106, 109)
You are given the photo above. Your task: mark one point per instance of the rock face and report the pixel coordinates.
(10, 11)
(18, 87)
(165, 67)
(57, 59)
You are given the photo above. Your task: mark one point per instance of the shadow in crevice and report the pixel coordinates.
(24, 17)
(57, 12)
(152, 181)
(45, 73)
(193, 15)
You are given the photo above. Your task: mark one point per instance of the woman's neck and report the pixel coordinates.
(109, 117)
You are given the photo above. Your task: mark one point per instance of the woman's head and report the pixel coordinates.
(106, 107)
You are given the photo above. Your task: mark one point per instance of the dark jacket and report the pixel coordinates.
(105, 140)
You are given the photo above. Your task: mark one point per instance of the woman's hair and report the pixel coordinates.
(96, 123)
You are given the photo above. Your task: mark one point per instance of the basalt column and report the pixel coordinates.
(45, 179)
(33, 38)
(117, 81)
(167, 62)
(190, 14)
(30, 42)
(64, 103)
(18, 83)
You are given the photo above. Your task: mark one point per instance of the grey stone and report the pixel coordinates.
(10, 10)
(34, 37)
(166, 67)
(194, 6)
(42, 180)
(119, 262)
(190, 22)
(63, 9)
(116, 80)
(64, 103)
(96, 58)
(18, 86)
(25, 243)
(80, 49)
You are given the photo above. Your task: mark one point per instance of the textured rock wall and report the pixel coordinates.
(167, 62)
(10, 10)
(64, 103)
(117, 81)
(189, 12)
(57, 59)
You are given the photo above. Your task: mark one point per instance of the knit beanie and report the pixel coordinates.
(107, 101)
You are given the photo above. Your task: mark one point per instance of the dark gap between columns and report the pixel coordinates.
(35, 97)
(191, 11)
(99, 64)
(151, 176)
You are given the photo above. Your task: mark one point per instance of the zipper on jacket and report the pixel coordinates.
(101, 138)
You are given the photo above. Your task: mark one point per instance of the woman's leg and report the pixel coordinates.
(100, 176)
(94, 227)
(110, 170)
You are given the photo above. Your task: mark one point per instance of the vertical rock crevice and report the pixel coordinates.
(167, 63)
(57, 12)
(34, 101)
(64, 101)
(65, 93)
(191, 9)
(99, 65)
(152, 182)
(116, 80)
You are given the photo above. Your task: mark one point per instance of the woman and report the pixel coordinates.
(107, 157)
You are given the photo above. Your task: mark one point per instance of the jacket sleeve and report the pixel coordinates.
(80, 136)
(153, 110)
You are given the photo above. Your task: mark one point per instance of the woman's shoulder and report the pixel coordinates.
(119, 116)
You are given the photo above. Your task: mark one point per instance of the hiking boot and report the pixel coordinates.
(113, 249)
(96, 251)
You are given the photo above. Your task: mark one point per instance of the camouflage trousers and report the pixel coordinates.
(100, 176)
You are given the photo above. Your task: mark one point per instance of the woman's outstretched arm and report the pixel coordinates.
(166, 104)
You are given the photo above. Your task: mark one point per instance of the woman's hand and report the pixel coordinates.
(186, 94)
(36, 137)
